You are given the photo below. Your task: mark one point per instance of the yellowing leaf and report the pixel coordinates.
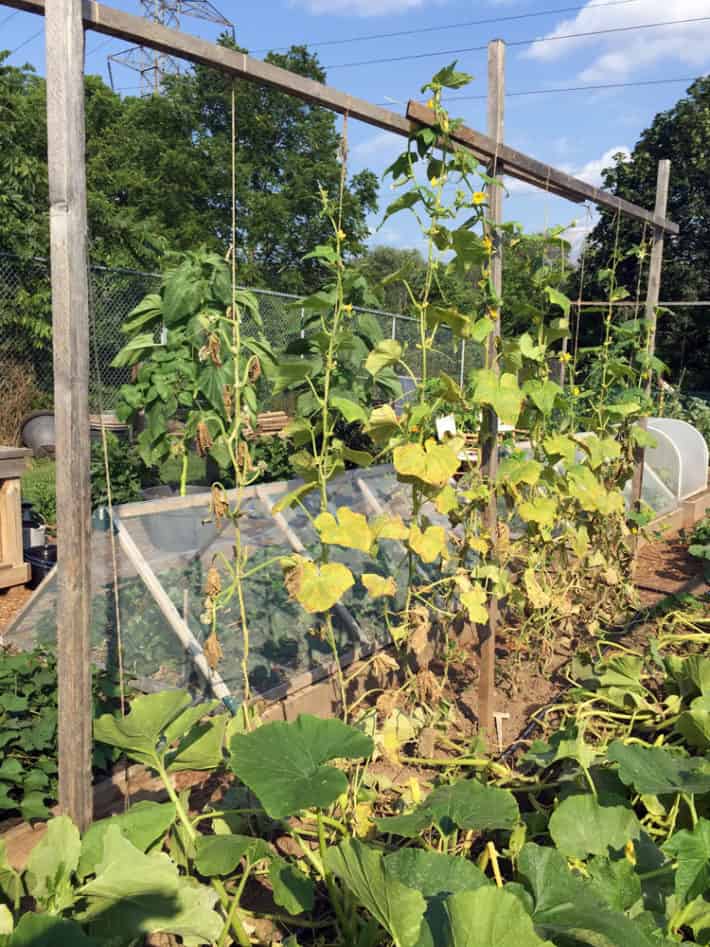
(560, 446)
(515, 470)
(541, 510)
(474, 601)
(432, 463)
(350, 530)
(290, 498)
(386, 352)
(591, 494)
(382, 424)
(598, 449)
(317, 590)
(446, 500)
(377, 585)
(479, 545)
(501, 392)
(538, 597)
(428, 545)
(389, 527)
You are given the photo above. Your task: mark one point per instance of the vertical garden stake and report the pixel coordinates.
(489, 441)
(652, 295)
(70, 328)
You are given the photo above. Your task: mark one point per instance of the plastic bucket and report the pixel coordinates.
(42, 560)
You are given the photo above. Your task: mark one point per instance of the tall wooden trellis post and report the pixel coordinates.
(70, 329)
(65, 24)
(489, 443)
(653, 291)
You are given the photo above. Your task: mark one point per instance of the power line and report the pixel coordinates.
(579, 88)
(28, 40)
(95, 49)
(521, 42)
(8, 18)
(449, 26)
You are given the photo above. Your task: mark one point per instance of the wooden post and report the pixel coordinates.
(652, 296)
(489, 440)
(70, 325)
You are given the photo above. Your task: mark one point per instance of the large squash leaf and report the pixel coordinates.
(283, 763)
(580, 826)
(568, 907)
(655, 771)
(489, 917)
(398, 909)
(45, 930)
(436, 876)
(691, 849)
(52, 863)
(153, 719)
(135, 894)
(467, 804)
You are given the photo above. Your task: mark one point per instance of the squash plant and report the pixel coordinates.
(597, 835)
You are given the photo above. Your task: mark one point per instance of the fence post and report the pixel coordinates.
(70, 326)
(652, 296)
(394, 327)
(489, 433)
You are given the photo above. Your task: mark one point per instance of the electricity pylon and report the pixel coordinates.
(150, 64)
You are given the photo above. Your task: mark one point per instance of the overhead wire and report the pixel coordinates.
(521, 42)
(448, 26)
(8, 18)
(26, 42)
(580, 88)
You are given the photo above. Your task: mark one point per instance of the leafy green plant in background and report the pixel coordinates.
(126, 470)
(699, 545)
(675, 403)
(28, 730)
(181, 394)
(39, 489)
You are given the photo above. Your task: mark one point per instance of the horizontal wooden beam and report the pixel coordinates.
(135, 29)
(524, 168)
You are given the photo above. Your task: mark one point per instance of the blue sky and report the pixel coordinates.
(577, 131)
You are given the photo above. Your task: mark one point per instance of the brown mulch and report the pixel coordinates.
(11, 601)
(665, 566)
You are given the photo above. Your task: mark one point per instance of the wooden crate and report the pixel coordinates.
(13, 569)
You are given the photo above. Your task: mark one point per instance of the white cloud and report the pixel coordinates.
(360, 7)
(617, 55)
(381, 145)
(591, 172)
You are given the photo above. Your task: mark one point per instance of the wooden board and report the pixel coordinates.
(547, 178)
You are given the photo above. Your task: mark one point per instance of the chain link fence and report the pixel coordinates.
(26, 332)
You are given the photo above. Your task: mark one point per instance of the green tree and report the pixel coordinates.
(681, 134)
(165, 161)
(380, 263)
(159, 172)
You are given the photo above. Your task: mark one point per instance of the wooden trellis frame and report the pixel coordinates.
(66, 23)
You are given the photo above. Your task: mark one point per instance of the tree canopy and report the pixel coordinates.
(681, 134)
(159, 172)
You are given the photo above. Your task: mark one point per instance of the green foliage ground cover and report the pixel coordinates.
(598, 834)
(28, 731)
